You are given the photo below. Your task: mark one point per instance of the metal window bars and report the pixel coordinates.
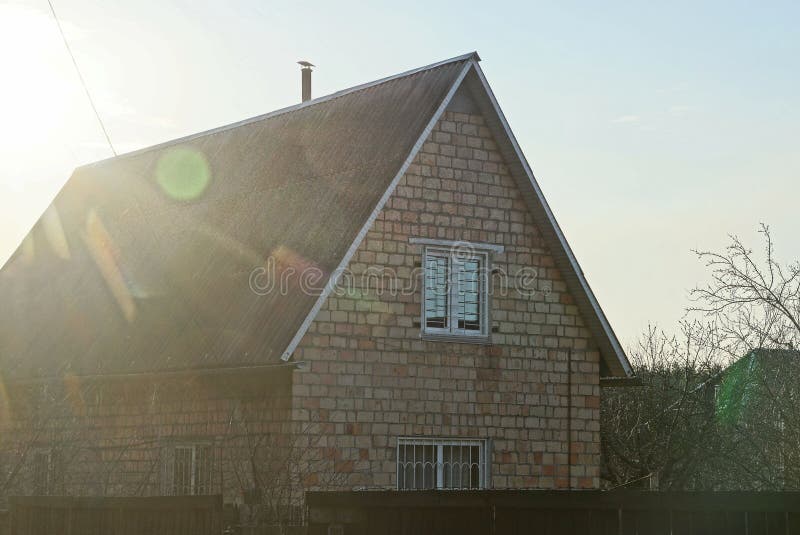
(441, 463)
(41, 473)
(192, 470)
(286, 514)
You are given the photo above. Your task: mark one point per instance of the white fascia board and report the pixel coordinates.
(471, 55)
(493, 247)
(609, 332)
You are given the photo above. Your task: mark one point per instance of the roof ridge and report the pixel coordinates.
(282, 111)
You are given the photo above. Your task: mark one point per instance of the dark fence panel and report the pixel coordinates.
(162, 515)
(553, 513)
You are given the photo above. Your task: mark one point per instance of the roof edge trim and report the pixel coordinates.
(222, 370)
(381, 203)
(493, 247)
(608, 331)
(464, 57)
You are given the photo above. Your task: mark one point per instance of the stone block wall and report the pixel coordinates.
(534, 390)
(114, 437)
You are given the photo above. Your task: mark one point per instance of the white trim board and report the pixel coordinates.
(374, 215)
(493, 247)
(469, 56)
(608, 331)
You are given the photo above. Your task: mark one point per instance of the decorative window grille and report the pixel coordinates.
(192, 470)
(41, 473)
(285, 515)
(441, 463)
(47, 473)
(455, 292)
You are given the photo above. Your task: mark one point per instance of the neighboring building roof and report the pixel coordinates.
(739, 384)
(143, 262)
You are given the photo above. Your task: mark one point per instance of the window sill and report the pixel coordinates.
(458, 338)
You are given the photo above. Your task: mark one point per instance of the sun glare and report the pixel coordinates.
(44, 115)
(39, 90)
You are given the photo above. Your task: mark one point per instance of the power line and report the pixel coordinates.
(80, 77)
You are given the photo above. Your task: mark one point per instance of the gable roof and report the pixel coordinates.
(145, 262)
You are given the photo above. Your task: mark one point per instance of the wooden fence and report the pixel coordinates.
(163, 515)
(553, 513)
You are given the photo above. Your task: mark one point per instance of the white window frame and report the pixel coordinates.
(45, 471)
(438, 444)
(458, 252)
(193, 484)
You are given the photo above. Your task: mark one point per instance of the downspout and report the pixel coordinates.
(569, 419)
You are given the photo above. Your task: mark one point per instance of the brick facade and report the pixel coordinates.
(115, 437)
(371, 378)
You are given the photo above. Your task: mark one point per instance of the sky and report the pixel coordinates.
(653, 128)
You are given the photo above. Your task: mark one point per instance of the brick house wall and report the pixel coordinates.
(113, 437)
(371, 378)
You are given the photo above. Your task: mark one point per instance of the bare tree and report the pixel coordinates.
(752, 301)
(657, 433)
(51, 444)
(40, 427)
(718, 406)
(272, 464)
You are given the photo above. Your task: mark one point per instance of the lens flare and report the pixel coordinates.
(735, 390)
(183, 173)
(28, 247)
(72, 387)
(5, 403)
(54, 232)
(103, 251)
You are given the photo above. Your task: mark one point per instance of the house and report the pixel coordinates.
(365, 290)
(754, 382)
(755, 407)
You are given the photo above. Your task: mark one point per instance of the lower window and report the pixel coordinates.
(47, 473)
(191, 470)
(441, 463)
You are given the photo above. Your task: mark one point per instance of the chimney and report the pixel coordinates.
(305, 74)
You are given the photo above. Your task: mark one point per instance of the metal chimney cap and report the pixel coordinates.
(305, 64)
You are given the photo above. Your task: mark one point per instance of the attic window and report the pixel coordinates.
(455, 300)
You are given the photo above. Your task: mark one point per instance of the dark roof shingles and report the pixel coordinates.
(297, 186)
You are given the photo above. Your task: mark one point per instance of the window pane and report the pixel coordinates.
(202, 470)
(403, 468)
(468, 304)
(426, 459)
(56, 473)
(461, 466)
(416, 467)
(439, 463)
(472, 468)
(451, 459)
(475, 468)
(436, 292)
(182, 471)
(41, 472)
(447, 473)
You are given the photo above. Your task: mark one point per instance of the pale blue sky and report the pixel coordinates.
(652, 128)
